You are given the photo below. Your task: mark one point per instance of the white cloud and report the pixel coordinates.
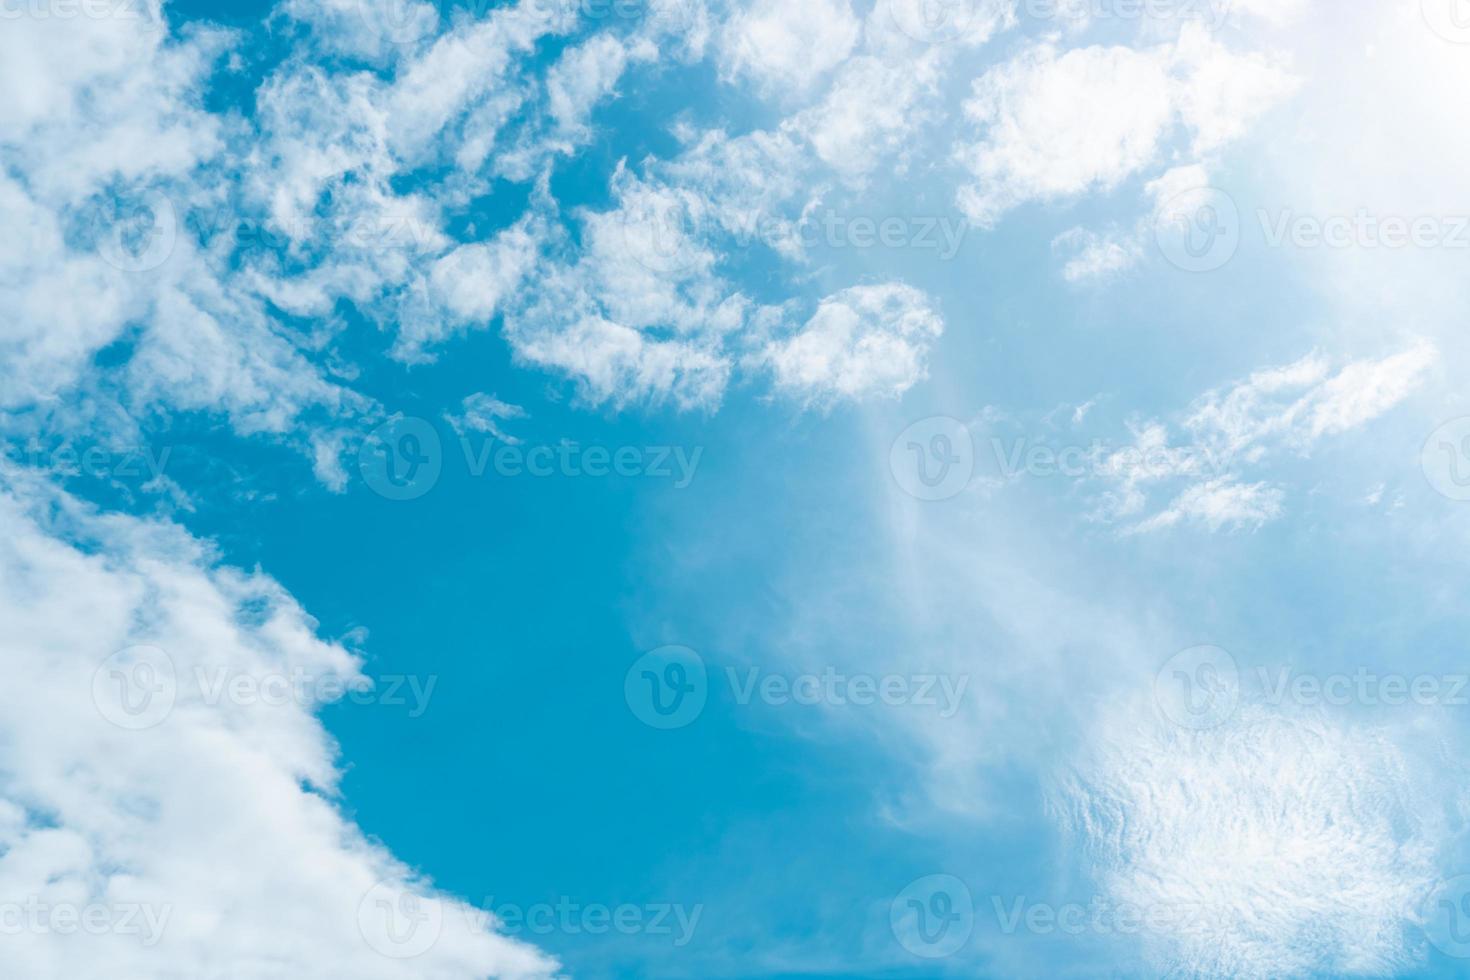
(868, 116)
(1058, 124)
(864, 342)
(220, 819)
(785, 48)
(1274, 845)
(484, 413)
(1220, 503)
(1241, 427)
(1096, 257)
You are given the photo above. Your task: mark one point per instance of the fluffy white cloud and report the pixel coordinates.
(785, 48)
(1096, 257)
(1057, 124)
(864, 342)
(132, 785)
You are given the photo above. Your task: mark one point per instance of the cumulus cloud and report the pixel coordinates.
(1055, 124)
(864, 342)
(134, 785)
(1096, 257)
(786, 48)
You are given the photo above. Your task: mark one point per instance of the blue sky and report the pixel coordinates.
(696, 488)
